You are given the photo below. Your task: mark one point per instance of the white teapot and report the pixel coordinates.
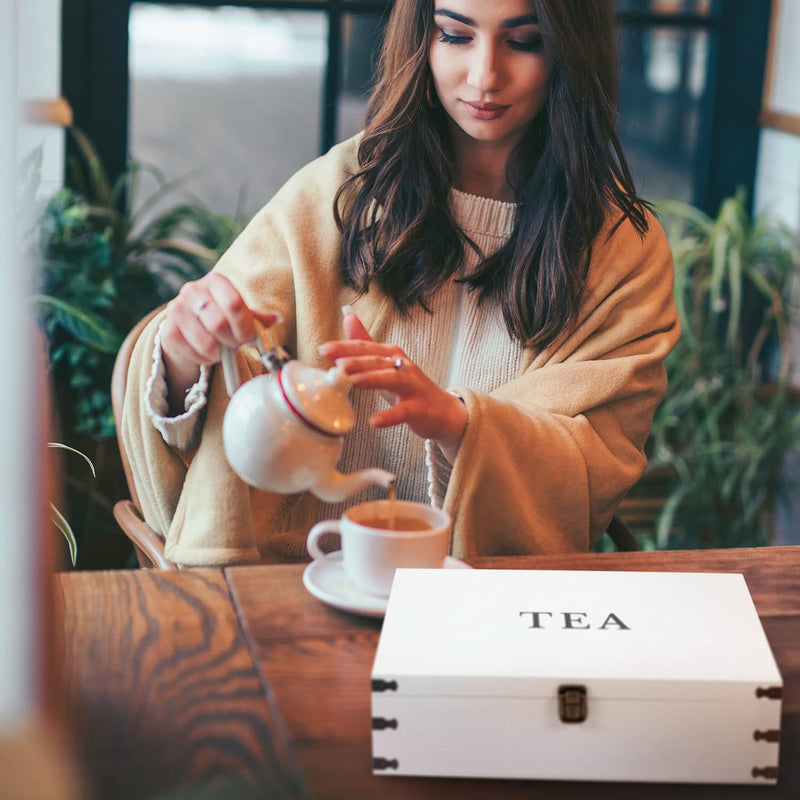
(282, 431)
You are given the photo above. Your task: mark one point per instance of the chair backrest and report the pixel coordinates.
(119, 380)
(620, 534)
(148, 545)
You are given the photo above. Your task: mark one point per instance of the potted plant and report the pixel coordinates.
(730, 413)
(104, 258)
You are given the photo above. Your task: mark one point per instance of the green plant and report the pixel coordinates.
(59, 520)
(730, 412)
(105, 260)
(104, 254)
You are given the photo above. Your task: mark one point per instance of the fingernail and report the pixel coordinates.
(278, 315)
(347, 310)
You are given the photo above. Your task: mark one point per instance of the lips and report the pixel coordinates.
(484, 111)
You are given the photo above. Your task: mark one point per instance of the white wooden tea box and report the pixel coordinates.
(619, 676)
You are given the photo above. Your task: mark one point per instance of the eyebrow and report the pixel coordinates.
(514, 22)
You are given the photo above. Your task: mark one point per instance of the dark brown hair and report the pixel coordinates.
(566, 174)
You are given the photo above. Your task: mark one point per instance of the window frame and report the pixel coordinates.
(95, 78)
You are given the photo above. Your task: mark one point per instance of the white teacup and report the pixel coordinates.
(372, 549)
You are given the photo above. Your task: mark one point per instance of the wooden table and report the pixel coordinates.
(239, 676)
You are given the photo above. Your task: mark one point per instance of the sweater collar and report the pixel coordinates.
(482, 215)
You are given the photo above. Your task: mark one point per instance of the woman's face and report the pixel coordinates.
(489, 69)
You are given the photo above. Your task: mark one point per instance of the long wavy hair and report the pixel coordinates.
(566, 173)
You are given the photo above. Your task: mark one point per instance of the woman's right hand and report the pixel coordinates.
(206, 314)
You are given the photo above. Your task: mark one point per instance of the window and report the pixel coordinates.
(664, 85)
(690, 96)
(231, 97)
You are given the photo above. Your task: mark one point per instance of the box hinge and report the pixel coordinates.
(384, 763)
(573, 705)
(767, 736)
(771, 773)
(770, 692)
(380, 685)
(381, 724)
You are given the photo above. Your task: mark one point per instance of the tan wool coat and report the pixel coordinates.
(545, 458)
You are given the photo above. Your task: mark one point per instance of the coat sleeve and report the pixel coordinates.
(546, 458)
(286, 259)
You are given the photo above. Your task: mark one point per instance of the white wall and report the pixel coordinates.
(777, 192)
(39, 77)
(30, 61)
(17, 647)
(778, 173)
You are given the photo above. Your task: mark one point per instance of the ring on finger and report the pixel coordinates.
(398, 363)
(199, 306)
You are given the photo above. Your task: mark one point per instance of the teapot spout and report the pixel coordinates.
(335, 486)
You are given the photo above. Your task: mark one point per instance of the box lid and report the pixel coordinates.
(645, 635)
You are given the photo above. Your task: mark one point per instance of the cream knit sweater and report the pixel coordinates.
(459, 342)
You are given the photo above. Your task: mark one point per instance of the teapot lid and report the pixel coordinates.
(318, 397)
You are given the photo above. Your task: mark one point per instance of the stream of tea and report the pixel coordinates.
(394, 519)
(392, 504)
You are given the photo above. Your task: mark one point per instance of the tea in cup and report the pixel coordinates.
(382, 536)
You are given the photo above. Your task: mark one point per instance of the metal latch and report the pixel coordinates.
(572, 703)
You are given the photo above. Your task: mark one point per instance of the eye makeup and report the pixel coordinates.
(525, 42)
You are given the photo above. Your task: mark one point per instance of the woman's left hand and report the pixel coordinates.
(425, 407)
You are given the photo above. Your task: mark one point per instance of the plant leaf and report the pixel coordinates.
(77, 452)
(64, 526)
(86, 328)
(181, 247)
(100, 190)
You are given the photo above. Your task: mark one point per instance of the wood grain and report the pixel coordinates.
(162, 692)
(317, 662)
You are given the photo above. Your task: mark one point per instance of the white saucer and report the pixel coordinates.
(327, 581)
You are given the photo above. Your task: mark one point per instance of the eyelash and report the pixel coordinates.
(534, 46)
(450, 39)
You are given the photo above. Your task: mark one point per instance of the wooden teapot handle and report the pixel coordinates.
(230, 370)
(273, 358)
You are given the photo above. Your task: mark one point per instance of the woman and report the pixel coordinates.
(509, 287)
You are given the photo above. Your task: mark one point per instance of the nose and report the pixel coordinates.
(484, 69)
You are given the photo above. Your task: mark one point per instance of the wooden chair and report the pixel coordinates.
(619, 533)
(149, 546)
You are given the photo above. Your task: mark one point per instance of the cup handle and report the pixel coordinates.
(326, 526)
